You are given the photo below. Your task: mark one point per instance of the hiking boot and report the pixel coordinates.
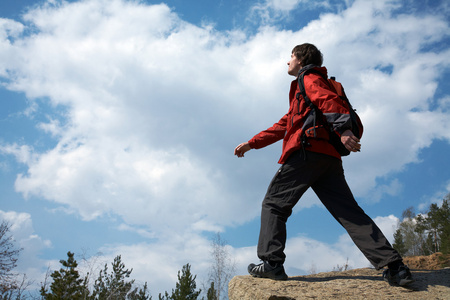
(266, 270)
(402, 276)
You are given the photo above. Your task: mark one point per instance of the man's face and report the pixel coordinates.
(294, 65)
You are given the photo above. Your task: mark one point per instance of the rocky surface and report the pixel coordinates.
(353, 284)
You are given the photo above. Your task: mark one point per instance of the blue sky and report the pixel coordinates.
(119, 118)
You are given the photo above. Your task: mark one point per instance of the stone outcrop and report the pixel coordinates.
(353, 284)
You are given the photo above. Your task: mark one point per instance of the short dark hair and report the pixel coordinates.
(308, 54)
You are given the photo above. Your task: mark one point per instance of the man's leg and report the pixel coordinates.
(288, 185)
(333, 191)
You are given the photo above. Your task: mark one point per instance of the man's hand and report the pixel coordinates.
(350, 141)
(241, 149)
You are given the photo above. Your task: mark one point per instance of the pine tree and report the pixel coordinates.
(115, 285)
(445, 245)
(399, 244)
(212, 293)
(67, 283)
(444, 229)
(185, 287)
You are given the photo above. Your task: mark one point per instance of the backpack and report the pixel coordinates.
(334, 139)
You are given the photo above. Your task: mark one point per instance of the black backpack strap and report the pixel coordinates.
(301, 84)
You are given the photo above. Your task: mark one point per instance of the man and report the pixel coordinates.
(309, 160)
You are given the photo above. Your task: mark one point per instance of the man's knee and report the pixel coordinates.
(276, 208)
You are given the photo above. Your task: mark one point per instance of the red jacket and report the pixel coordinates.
(296, 122)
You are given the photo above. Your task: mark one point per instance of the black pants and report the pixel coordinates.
(326, 177)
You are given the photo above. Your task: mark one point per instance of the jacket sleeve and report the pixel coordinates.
(270, 135)
(331, 105)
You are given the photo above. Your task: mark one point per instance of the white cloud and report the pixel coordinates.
(9, 30)
(22, 153)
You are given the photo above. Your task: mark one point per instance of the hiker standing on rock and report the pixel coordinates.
(309, 159)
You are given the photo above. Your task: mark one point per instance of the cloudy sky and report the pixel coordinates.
(119, 119)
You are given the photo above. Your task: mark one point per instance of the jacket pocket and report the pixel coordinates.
(317, 132)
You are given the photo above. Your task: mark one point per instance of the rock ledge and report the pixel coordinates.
(353, 284)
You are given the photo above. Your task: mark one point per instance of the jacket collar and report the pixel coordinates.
(306, 68)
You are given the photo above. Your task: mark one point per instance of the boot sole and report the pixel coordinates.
(281, 278)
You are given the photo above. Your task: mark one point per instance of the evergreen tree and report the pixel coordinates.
(67, 283)
(115, 285)
(212, 293)
(185, 287)
(445, 245)
(399, 244)
(445, 228)
(441, 218)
